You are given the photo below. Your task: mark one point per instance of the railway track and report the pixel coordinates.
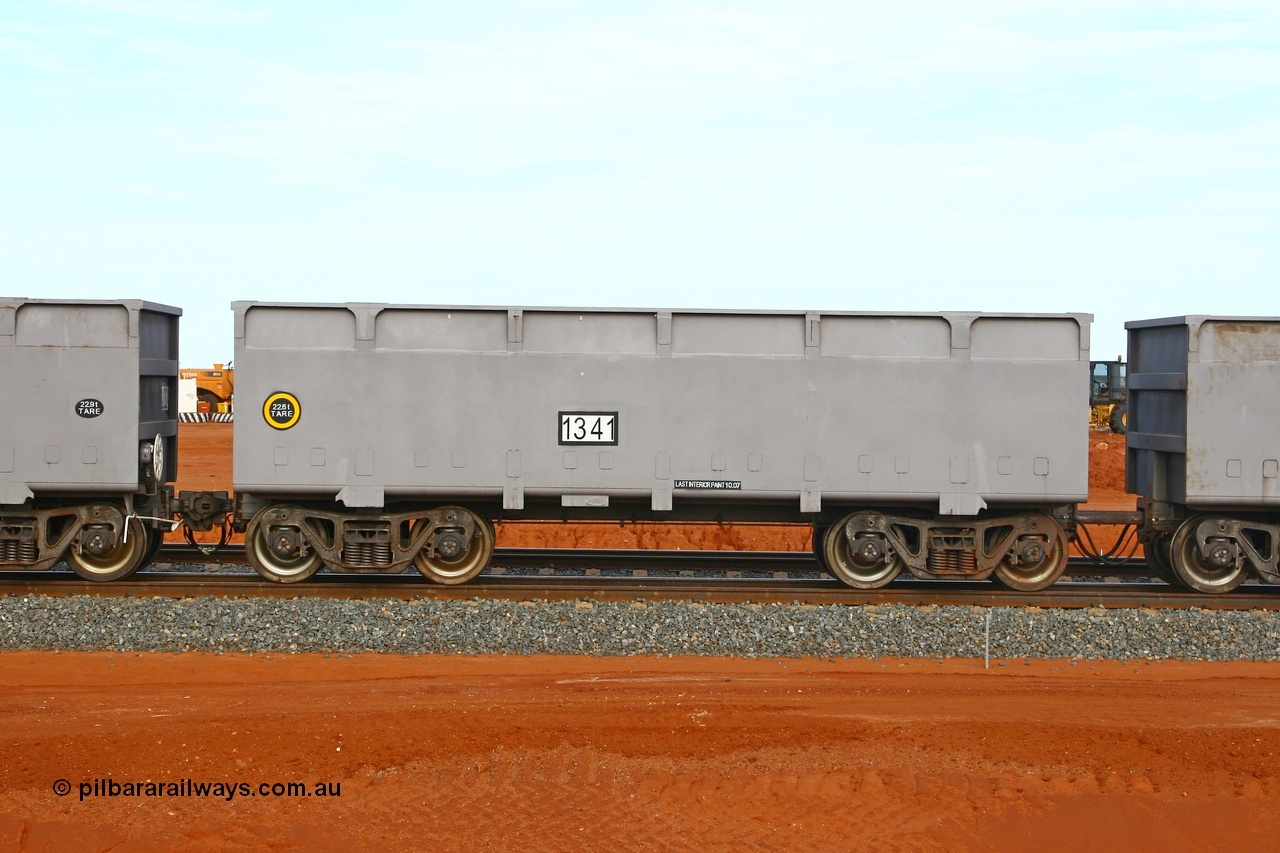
(587, 559)
(712, 576)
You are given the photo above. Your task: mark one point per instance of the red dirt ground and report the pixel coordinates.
(572, 753)
(575, 753)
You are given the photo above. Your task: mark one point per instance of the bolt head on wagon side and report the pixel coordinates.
(87, 433)
(1203, 448)
(948, 445)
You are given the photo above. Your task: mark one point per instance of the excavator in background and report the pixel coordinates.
(1109, 395)
(213, 385)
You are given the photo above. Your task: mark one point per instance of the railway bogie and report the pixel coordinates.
(88, 431)
(287, 543)
(867, 549)
(1216, 553)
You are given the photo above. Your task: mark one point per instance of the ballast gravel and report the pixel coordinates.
(486, 626)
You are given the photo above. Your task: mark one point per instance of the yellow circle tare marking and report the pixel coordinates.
(281, 410)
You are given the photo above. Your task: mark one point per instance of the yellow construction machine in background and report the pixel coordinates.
(1108, 395)
(214, 385)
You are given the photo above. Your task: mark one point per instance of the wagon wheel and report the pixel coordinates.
(818, 545)
(95, 558)
(470, 562)
(268, 562)
(1158, 557)
(1033, 577)
(864, 564)
(1193, 570)
(155, 541)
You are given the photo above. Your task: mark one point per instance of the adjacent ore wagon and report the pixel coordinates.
(1204, 446)
(373, 436)
(88, 428)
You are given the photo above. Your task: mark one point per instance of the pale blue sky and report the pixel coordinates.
(1118, 158)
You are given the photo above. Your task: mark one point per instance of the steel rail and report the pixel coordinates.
(1072, 594)
(637, 559)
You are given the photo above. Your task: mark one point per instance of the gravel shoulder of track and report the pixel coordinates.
(484, 626)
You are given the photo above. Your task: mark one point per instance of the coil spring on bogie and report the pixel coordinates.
(952, 562)
(366, 554)
(18, 551)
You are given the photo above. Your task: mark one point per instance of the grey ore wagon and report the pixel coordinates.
(87, 432)
(1204, 446)
(372, 436)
